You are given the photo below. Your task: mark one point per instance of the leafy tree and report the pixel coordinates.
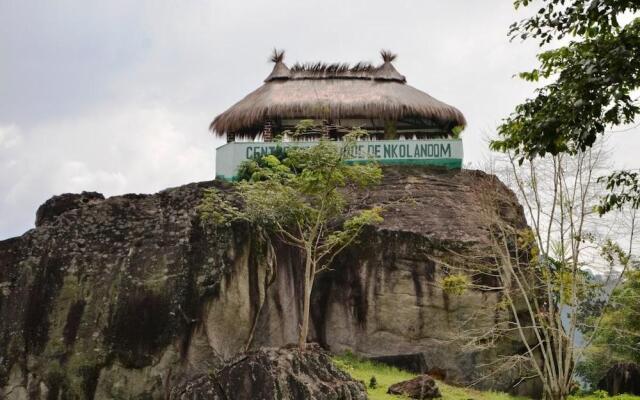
(589, 81)
(301, 199)
(593, 76)
(624, 189)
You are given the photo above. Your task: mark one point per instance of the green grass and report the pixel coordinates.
(603, 395)
(386, 376)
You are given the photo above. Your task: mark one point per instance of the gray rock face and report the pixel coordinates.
(117, 298)
(279, 374)
(58, 205)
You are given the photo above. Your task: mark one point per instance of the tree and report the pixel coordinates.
(301, 198)
(593, 79)
(545, 272)
(593, 76)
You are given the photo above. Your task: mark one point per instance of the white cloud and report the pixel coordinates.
(125, 148)
(9, 137)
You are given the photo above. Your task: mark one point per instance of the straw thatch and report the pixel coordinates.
(332, 92)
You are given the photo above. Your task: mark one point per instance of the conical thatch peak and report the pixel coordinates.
(280, 69)
(387, 72)
(277, 56)
(387, 56)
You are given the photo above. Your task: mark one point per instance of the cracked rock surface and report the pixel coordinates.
(126, 296)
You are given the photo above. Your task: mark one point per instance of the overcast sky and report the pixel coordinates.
(116, 96)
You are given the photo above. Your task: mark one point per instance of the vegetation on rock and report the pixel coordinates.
(301, 199)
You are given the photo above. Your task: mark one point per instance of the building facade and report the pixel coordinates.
(300, 105)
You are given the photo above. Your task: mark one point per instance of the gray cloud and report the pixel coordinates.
(117, 96)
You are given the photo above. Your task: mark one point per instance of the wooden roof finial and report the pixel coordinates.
(277, 56)
(387, 55)
(280, 70)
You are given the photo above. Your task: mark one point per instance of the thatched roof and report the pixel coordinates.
(331, 92)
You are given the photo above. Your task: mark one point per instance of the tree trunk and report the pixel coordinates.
(557, 393)
(306, 304)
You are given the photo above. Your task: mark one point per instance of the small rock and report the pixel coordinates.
(421, 387)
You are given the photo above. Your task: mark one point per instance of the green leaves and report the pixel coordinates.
(265, 167)
(624, 188)
(593, 76)
(455, 284)
(307, 181)
(299, 193)
(583, 18)
(271, 202)
(215, 209)
(618, 338)
(352, 226)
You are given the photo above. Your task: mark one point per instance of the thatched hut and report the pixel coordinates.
(332, 99)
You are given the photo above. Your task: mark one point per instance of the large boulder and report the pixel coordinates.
(277, 374)
(621, 378)
(421, 387)
(114, 298)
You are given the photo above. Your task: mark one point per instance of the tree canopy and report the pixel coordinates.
(592, 77)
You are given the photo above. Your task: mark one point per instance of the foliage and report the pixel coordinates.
(455, 284)
(618, 338)
(373, 382)
(601, 394)
(215, 209)
(305, 188)
(593, 76)
(298, 194)
(386, 376)
(550, 299)
(304, 127)
(624, 187)
(457, 131)
(260, 163)
(589, 81)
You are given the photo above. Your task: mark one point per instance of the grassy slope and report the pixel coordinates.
(386, 376)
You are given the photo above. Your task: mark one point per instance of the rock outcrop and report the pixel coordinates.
(279, 374)
(124, 297)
